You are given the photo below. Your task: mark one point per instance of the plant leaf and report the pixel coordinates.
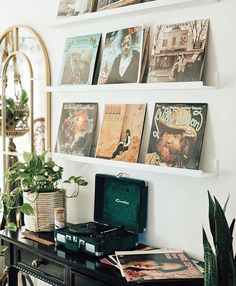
(27, 156)
(3, 248)
(27, 209)
(210, 273)
(11, 226)
(232, 228)
(223, 245)
(226, 203)
(211, 215)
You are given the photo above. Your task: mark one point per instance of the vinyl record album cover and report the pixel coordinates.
(122, 56)
(121, 132)
(154, 265)
(110, 4)
(176, 135)
(178, 52)
(67, 8)
(79, 59)
(76, 128)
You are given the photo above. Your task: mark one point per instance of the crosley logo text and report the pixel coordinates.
(122, 202)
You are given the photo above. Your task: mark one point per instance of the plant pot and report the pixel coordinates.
(43, 205)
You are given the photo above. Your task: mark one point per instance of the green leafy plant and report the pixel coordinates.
(34, 175)
(220, 261)
(17, 111)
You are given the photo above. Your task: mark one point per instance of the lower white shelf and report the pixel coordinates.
(135, 166)
(129, 86)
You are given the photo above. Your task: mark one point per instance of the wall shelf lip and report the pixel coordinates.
(134, 166)
(122, 11)
(191, 85)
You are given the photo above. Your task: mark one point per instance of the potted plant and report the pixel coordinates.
(17, 113)
(40, 184)
(220, 261)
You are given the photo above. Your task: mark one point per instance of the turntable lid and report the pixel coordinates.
(121, 201)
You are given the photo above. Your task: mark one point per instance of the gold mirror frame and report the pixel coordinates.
(13, 32)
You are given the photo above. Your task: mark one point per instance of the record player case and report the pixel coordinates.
(120, 212)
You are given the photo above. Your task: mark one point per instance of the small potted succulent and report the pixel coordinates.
(40, 184)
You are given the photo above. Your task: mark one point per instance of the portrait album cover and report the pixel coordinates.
(122, 56)
(137, 266)
(79, 59)
(110, 4)
(121, 132)
(178, 52)
(67, 8)
(176, 135)
(76, 128)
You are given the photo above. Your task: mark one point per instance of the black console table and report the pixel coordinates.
(59, 266)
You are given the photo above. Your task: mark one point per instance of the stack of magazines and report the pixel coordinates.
(155, 265)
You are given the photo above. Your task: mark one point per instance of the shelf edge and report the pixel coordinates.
(135, 166)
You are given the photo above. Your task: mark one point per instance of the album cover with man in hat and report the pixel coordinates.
(176, 135)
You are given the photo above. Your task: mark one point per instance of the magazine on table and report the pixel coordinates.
(80, 54)
(122, 57)
(76, 128)
(176, 135)
(111, 259)
(155, 265)
(121, 132)
(74, 7)
(178, 52)
(110, 4)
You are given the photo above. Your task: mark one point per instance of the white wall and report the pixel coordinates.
(178, 206)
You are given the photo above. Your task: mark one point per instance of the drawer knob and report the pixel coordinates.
(37, 262)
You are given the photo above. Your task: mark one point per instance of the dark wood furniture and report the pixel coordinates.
(59, 266)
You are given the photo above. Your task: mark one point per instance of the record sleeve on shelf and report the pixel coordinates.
(74, 7)
(176, 135)
(178, 52)
(76, 128)
(121, 132)
(123, 56)
(80, 54)
(110, 4)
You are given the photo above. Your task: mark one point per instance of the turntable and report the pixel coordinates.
(120, 211)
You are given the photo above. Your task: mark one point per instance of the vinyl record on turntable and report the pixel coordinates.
(83, 228)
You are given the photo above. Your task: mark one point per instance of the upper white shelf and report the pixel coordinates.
(129, 86)
(134, 166)
(136, 9)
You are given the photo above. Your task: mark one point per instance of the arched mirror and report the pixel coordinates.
(25, 104)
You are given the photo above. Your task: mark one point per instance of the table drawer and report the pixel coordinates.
(78, 279)
(41, 266)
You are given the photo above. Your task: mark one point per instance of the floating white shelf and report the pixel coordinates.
(134, 166)
(130, 86)
(136, 9)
